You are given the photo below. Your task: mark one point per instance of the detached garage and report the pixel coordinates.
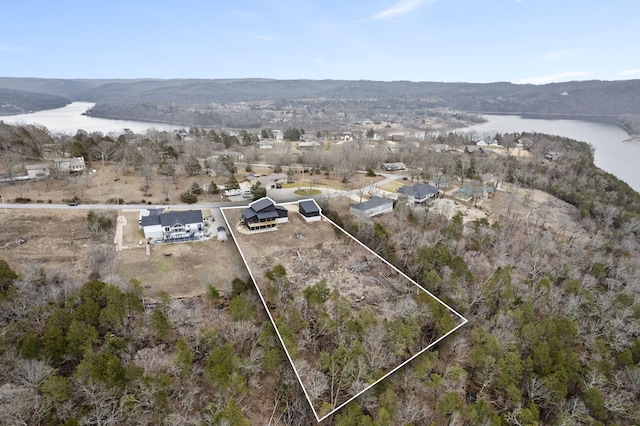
(310, 210)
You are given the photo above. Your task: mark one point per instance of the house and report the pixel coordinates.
(419, 193)
(393, 166)
(173, 226)
(440, 181)
(269, 181)
(263, 215)
(309, 210)
(439, 147)
(343, 136)
(265, 144)
(235, 155)
(309, 146)
(35, 171)
(474, 149)
(148, 212)
(71, 165)
(469, 192)
(373, 207)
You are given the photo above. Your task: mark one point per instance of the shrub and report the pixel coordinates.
(188, 198)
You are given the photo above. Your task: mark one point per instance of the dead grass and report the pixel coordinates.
(178, 269)
(55, 240)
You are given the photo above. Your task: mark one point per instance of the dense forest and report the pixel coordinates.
(551, 293)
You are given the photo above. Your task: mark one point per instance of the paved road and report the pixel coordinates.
(280, 195)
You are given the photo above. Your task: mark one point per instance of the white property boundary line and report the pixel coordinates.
(319, 419)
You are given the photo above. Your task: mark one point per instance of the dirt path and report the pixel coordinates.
(117, 240)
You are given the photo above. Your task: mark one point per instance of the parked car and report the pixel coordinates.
(232, 192)
(72, 204)
(247, 194)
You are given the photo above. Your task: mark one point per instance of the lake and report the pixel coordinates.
(611, 152)
(69, 119)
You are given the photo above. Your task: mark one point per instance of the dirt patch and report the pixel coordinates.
(55, 240)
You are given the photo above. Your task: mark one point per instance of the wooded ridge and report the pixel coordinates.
(121, 98)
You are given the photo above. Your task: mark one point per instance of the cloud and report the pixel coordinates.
(400, 9)
(630, 72)
(544, 79)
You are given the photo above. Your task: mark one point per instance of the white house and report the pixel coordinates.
(71, 165)
(173, 226)
(265, 144)
(38, 170)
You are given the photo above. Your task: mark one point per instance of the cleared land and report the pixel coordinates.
(57, 241)
(345, 316)
(178, 269)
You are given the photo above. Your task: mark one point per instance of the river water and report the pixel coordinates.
(69, 119)
(612, 153)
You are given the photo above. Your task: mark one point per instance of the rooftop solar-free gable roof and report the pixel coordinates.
(372, 203)
(309, 206)
(261, 204)
(173, 218)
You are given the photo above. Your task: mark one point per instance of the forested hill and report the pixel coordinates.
(595, 98)
(21, 101)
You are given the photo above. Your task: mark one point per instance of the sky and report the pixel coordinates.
(477, 41)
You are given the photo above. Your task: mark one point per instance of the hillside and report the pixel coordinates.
(147, 99)
(20, 101)
(547, 272)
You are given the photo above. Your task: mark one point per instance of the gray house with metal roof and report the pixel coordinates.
(264, 214)
(419, 193)
(372, 207)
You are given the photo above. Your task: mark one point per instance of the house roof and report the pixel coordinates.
(171, 218)
(371, 204)
(309, 206)
(261, 204)
(419, 190)
(469, 190)
(249, 214)
(37, 166)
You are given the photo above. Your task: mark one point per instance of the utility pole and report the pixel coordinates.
(3, 203)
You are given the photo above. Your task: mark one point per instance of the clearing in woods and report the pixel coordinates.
(346, 317)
